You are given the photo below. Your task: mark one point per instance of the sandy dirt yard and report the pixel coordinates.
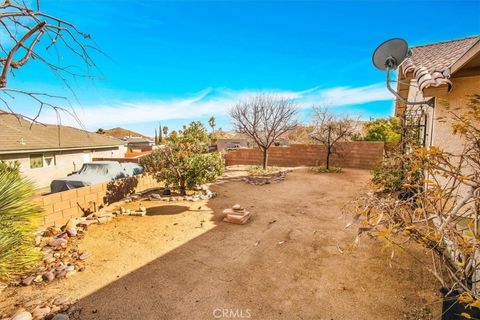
(182, 262)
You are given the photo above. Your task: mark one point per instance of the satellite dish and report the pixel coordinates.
(390, 54)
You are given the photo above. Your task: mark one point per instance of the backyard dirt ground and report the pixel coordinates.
(182, 262)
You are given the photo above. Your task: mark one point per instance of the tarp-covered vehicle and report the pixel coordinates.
(94, 173)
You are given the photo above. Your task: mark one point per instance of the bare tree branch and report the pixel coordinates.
(28, 29)
(265, 118)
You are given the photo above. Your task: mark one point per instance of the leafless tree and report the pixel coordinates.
(27, 33)
(330, 129)
(264, 118)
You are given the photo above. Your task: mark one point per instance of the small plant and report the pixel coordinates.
(260, 171)
(19, 219)
(324, 169)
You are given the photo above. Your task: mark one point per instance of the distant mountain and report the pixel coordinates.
(121, 133)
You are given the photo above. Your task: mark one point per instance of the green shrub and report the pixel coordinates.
(19, 219)
(183, 161)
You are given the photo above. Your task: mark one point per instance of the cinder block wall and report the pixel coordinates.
(60, 207)
(355, 154)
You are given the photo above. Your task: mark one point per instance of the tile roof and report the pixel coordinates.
(18, 135)
(428, 63)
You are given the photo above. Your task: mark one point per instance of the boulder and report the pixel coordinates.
(57, 242)
(28, 280)
(61, 301)
(40, 313)
(48, 276)
(22, 315)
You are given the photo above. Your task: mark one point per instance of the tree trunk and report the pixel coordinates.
(265, 158)
(328, 158)
(329, 147)
(183, 190)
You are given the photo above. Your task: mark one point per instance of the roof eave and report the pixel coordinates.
(463, 60)
(20, 151)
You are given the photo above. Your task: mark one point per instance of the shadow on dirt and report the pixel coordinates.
(166, 210)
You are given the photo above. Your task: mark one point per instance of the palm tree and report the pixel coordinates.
(212, 124)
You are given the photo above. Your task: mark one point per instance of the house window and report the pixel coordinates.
(36, 160)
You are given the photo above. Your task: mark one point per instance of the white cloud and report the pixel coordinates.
(211, 102)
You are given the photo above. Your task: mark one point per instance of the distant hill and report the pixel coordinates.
(122, 133)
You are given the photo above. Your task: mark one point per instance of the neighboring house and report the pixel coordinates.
(47, 152)
(448, 71)
(139, 144)
(231, 143)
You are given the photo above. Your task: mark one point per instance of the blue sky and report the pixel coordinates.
(180, 61)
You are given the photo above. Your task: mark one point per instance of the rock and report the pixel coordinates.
(32, 303)
(155, 196)
(143, 209)
(52, 231)
(38, 240)
(166, 192)
(40, 313)
(69, 268)
(22, 315)
(104, 219)
(84, 256)
(38, 278)
(138, 213)
(57, 242)
(237, 207)
(61, 316)
(28, 280)
(60, 267)
(123, 210)
(61, 301)
(48, 276)
(61, 274)
(71, 227)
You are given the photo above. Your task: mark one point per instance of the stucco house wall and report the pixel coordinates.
(439, 121)
(64, 162)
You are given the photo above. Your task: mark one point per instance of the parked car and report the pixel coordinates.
(95, 172)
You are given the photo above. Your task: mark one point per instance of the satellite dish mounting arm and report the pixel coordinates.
(429, 102)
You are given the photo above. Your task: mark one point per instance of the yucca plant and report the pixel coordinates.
(19, 220)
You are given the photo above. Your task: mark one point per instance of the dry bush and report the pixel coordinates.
(432, 197)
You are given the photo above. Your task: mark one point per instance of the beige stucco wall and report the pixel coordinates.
(442, 134)
(458, 98)
(65, 163)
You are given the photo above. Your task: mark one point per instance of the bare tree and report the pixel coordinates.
(330, 129)
(28, 33)
(264, 118)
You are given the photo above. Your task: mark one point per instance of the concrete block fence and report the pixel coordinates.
(60, 207)
(355, 154)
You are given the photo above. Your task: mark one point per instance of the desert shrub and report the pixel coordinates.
(19, 219)
(183, 161)
(432, 197)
